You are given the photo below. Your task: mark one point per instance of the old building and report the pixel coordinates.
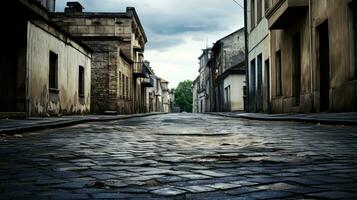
(313, 55)
(43, 71)
(195, 88)
(228, 71)
(119, 74)
(259, 78)
(165, 96)
(158, 96)
(205, 87)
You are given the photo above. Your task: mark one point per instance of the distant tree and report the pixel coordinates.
(183, 95)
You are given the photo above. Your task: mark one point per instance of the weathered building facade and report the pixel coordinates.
(44, 71)
(205, 88)
(195, 87)
(313, 55)
(119, 75)
(259, 73)
(165, 96)
(158, 96)
(228, 72)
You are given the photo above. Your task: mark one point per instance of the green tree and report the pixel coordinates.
(183, 96)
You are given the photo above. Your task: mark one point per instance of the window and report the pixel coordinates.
(127, 87)
(119, 85)
(297, 69)
(81, 81)
(279, 90)
(53, 71)
(259, 10)
(252, 14)
(123, 85)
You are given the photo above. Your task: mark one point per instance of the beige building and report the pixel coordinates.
(44, 71)
(313, 55)
(158, 96)
(227, 70)
(165, 96)
(119, 75)
(259, 72)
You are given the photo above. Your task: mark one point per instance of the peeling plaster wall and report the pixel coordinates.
(42, 40)
(236, 83)
(343, 86)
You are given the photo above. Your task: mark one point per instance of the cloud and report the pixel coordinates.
(176, 29)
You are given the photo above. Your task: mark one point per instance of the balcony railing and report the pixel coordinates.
(140, 70)
(282, 12)
(147, 81)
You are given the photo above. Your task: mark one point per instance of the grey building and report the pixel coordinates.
(228, 72)
(120, 76)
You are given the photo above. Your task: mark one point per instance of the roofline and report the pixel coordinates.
(138, 21)
(241, 29)
(130, 13)
(45, 15)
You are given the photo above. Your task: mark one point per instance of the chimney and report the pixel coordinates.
(73, 7)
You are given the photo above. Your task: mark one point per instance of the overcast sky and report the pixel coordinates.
(177, 30)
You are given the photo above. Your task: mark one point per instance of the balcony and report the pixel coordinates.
(147, 81)
(281, 14)
(140, 70)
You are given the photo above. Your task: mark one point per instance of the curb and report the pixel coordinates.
(54, 125)
(293, 119)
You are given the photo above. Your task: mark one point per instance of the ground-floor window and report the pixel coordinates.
(53, 71)
(279, 89)
(81, 81)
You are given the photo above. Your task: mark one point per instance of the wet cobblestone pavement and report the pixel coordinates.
(181, 156)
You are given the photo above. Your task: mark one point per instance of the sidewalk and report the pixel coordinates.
(348, 119)
(13, 126)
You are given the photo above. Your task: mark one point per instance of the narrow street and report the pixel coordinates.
(181, 156)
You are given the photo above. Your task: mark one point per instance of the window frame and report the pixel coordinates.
(53, 72)
(81, 81)
(279, 70)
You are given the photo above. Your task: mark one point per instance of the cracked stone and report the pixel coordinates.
(168, 192)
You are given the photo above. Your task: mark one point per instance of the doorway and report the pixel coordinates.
(259, 95)
(297, 69)
(252, 86)
(267, 84)
(324, 58)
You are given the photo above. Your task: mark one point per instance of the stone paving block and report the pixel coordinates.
(270, 194)
(242, 191)
(194, 176)
(109, 196)
(168, 192)
(198, 188)
(224, 186)
(210, 196)
(277, 186)
(71, 185)
(170, 179)
(334, 195)
(212, 173)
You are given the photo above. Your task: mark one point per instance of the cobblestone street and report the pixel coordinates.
(181, 156)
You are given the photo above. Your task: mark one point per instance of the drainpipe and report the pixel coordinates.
(310, 58)
(246, 56)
